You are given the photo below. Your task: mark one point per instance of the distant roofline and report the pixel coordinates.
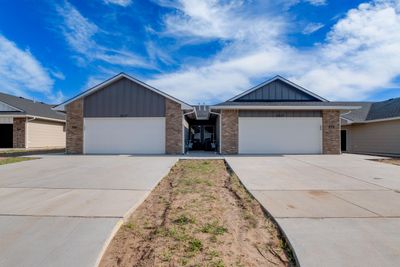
(285, 107)
(61, 107)
(277, 77)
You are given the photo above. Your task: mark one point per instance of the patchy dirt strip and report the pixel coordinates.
(198, 215)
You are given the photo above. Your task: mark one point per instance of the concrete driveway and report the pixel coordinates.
(339, 210)
(62, 210)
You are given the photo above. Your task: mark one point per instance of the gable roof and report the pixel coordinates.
(372, 111)
(283, 80)
(27, 107)
(116, 78)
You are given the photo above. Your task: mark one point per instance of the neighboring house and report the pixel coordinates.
(124, 115)
(28, 124)
(373, 129)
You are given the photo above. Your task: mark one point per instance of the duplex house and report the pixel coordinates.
(25, 123)
(373, 129)
(125, 115)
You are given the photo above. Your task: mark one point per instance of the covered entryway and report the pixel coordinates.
(280, 135)
(201, 130)
(140, 135)
(6, 135)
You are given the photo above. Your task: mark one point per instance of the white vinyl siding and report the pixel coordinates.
(6, 120)
(42, 134)
(140, 135)
(285, 135)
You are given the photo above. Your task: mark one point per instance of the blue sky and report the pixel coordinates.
(201, 50)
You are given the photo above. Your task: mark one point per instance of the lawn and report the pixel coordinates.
(198, 215)
(9, 160)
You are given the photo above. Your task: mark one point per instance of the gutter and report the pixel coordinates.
(377, 120)
(35, 117)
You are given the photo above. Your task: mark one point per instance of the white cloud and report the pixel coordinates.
(361, 53)
(317, 2)
(57, 74)
(359, 56)
(20, 72)
(212, 19)
(123, 3)
(312, 27)
(56, 98)
(81, 34)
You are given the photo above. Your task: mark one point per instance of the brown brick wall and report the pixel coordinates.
(19, 130)
(74, 127)
(229, 131)
(331, 131)
(173, 125)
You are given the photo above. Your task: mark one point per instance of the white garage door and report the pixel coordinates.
(124, 135)
(285, 135)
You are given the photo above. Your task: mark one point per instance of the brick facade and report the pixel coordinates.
(229, 131)
(19, 132)
(173, 125)
(331, 131)
(74, 127)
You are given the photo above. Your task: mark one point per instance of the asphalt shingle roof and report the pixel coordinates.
(374, 110)
(29, 107)
(385, 109)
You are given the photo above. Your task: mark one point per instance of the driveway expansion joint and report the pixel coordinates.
(361, 207)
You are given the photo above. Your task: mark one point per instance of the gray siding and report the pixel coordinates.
(277, 91)
(377, 137)
(280, 113)
(124, 98)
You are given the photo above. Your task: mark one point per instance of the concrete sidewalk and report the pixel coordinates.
(335, 210)
(62, 210)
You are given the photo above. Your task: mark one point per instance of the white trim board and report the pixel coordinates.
(283, 80)
(61, 107)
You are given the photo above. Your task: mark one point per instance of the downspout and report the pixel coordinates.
(220, 129)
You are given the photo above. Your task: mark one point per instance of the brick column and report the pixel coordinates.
(173, 127)
(74, 127)
(229, 131)
(331, 131)
(19, 132)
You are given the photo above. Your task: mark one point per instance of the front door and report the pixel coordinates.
(202, 137)
(343, 138)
